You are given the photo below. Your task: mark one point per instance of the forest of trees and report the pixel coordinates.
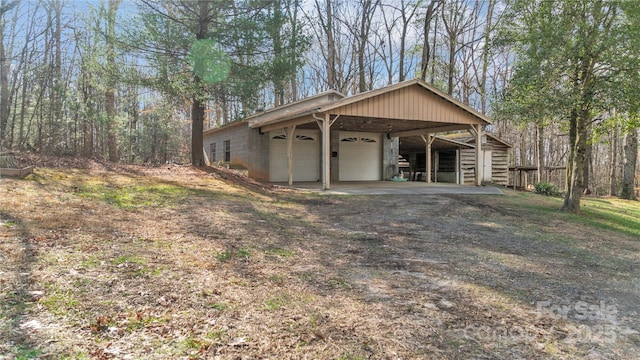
(138, 81)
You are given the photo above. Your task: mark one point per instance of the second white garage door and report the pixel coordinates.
(306, 156)
(360, 156)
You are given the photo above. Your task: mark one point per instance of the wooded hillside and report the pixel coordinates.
(138, 81)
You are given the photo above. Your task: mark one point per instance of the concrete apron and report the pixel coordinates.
(395, 188)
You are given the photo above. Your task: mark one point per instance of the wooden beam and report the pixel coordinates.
(431, 130)
(286, 124)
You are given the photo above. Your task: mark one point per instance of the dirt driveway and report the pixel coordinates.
(210, 270)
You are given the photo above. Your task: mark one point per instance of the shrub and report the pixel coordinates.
(547, 189)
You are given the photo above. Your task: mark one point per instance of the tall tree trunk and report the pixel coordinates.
(576, 160)
(434, 46)
(540, 153)
(294, 10)
(406, 22)
(55, 120)
(588, 168)
(87, 119)
(327, 27)
(630, 163)
(455, 24)
(485, 57)
(403, 40)
(5, 64)
(276, 39)
(198, 105)
(613, 170)
(368, 9)
(110, 96)
(426, 47)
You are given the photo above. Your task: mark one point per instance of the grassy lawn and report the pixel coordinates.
(175, 262)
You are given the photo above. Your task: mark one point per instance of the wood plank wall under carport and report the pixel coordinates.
(499, 165)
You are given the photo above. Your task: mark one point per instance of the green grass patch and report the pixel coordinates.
(277, 279)
(138, 320)
(277, 302)
(192, 343)
(338, 283)
(58, 301)
(224, 256)
(24, 352)
(280, 252)
(216, 335)
(612, 214)
(136, 196)
(137, 267)
(243, 253)
(228, 255)
(128, 259)
(90, 263)
(9, 223)
(219, 306)
(82, 355)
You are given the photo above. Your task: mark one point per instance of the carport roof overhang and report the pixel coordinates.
(408, 108)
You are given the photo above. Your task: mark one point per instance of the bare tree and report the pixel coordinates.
(408, 11)
(426, 48)
(367, 10)
(5, 64)
(385, 39)
(325, 16)
(456, 20)
(110, 97)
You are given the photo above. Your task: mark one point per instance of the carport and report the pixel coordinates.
(350, 127)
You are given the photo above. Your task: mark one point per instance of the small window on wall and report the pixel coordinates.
(212, 151)
(227, 150)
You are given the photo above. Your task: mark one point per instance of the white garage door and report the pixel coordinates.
(306, 156)
(360, 156)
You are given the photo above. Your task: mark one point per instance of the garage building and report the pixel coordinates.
(332, 137)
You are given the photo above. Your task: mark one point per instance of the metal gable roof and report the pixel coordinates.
(405, 84)
(294, 110)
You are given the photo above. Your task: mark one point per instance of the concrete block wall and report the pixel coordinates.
(238, 135)
(258, 155)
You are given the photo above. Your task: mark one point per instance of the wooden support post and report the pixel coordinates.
(479, 157)
(291, 135)
(326, 152)
(435, 166)
(427, 140)
(459, 179)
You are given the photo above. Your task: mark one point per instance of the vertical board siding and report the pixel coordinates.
(411, 103)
